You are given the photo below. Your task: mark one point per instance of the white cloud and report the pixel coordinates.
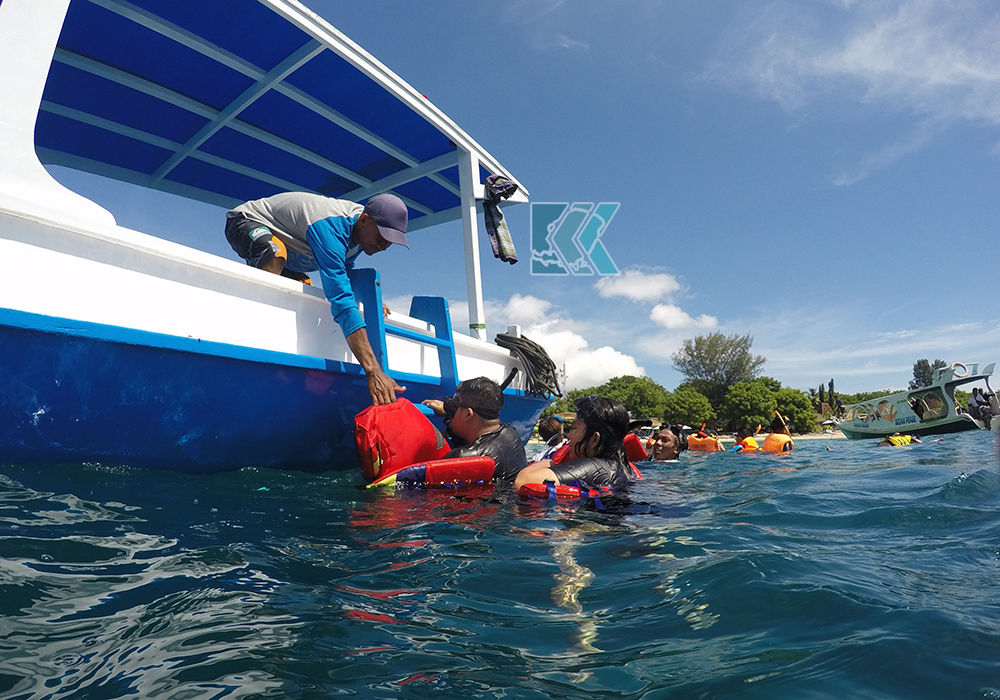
(885, 156)
(523, 310)
(585, 366)
(673, 318)
(563, 339)
(529, 11)
(545, 23)
(896, 335)
(939, 59)
(936, 61)
(564, 42)
(639, 286)
(804, 350)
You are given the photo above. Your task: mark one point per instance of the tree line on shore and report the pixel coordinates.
(724, 388)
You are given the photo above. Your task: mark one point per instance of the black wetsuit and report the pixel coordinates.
(593, 471)
(503, 445)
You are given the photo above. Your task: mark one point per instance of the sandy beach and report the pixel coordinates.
(835, 435)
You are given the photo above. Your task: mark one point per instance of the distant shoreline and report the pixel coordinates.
(835, 435)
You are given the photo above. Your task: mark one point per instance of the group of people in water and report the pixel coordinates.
(592, 452)
(597, 451)
(777, 440)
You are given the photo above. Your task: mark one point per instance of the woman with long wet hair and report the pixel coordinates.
(596, 454)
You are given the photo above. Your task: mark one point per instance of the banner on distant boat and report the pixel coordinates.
(566, 238)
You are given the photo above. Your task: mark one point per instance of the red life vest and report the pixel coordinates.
(634, 449)
(562, 455)
(414, 439)
(550, 492)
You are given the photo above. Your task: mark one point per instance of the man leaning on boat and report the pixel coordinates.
(294, 233)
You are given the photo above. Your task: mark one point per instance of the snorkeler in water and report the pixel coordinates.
(897, 440)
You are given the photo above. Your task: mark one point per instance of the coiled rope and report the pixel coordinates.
(539, 369)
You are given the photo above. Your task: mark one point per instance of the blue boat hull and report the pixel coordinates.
(72, 391)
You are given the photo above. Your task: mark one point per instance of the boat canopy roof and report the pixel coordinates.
(224, 102)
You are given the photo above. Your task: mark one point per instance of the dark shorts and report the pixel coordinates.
(257, 245)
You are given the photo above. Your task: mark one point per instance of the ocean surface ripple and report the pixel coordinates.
(849, 572)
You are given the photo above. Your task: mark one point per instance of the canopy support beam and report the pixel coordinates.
(468, 171)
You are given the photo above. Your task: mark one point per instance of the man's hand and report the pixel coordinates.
(434, 405)
(382, 388)
(385, 311)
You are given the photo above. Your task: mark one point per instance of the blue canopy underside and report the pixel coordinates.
(177, 96)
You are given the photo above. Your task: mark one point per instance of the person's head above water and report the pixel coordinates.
(667, 445)
(778, 424)
(474, 409)
(550, 427)
(600, 427)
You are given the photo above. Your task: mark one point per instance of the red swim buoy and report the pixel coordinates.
(441, 472)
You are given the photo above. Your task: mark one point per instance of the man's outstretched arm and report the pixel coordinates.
(381, 387)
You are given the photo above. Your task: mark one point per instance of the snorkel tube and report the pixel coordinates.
(784, 425)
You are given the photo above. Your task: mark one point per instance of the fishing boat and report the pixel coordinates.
(928, 410)
(119, 347)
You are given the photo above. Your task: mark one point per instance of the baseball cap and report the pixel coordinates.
(390, 216)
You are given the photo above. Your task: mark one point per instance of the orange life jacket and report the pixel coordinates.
(704, 444)
(749, 444)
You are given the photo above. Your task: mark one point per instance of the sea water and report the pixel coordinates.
(848, 572)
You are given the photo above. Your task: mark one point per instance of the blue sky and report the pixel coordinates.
(819, 174)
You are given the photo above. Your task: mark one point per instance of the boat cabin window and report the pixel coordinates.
(929, 404)
(856, 412)
(886, 410)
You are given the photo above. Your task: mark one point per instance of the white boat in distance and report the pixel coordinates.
(119, 347)
(928, 410)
